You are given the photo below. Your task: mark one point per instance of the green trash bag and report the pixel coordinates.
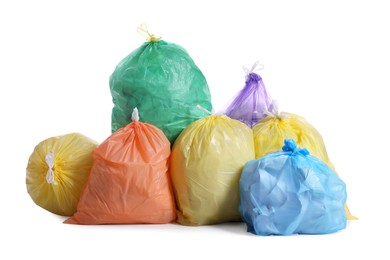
(162, 80)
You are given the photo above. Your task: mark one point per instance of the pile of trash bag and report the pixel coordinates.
(170, 157)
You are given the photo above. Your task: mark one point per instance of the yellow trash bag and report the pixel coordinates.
(57, 171)
(206, 164)
(269, 135)
(270, 132)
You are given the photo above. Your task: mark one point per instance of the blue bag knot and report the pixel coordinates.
(291, 146)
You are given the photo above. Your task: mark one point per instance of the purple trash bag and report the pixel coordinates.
(250, 104)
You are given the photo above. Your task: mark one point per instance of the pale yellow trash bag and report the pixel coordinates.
(270, 132)
(206, 164)
(57, 171)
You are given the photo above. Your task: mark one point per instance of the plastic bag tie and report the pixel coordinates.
(50, 163)
(275, 111)
(135, 115)
(143, 31)
(256, 67)
(291, 146)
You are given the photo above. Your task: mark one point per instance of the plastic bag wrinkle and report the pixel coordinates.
(206, 163)
(129, 182)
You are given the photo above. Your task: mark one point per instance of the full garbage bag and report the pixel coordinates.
(57, 171)
(207, 160)
(291, 192)
(163, 82)
(270, 132)
(250, 104)
(129, 181)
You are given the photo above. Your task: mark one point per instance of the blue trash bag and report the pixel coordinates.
(291, 192)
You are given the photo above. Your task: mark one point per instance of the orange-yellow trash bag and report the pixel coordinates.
(57, 171)
(129, 181)
(206, 164)
(270, 132)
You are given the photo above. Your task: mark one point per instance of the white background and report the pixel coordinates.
(327, 61)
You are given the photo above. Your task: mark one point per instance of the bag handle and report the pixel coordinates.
(143, 31)
(253, 69)
(275, 111)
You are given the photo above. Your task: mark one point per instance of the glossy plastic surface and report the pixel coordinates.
(269, 135)
(129, 181)
(162, 80)
(291, 192)
(72, 154)
(207, 160)
(251, 102)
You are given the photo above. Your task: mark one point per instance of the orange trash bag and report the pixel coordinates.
(129, 182)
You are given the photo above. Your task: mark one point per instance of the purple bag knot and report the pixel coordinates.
(253, 77)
